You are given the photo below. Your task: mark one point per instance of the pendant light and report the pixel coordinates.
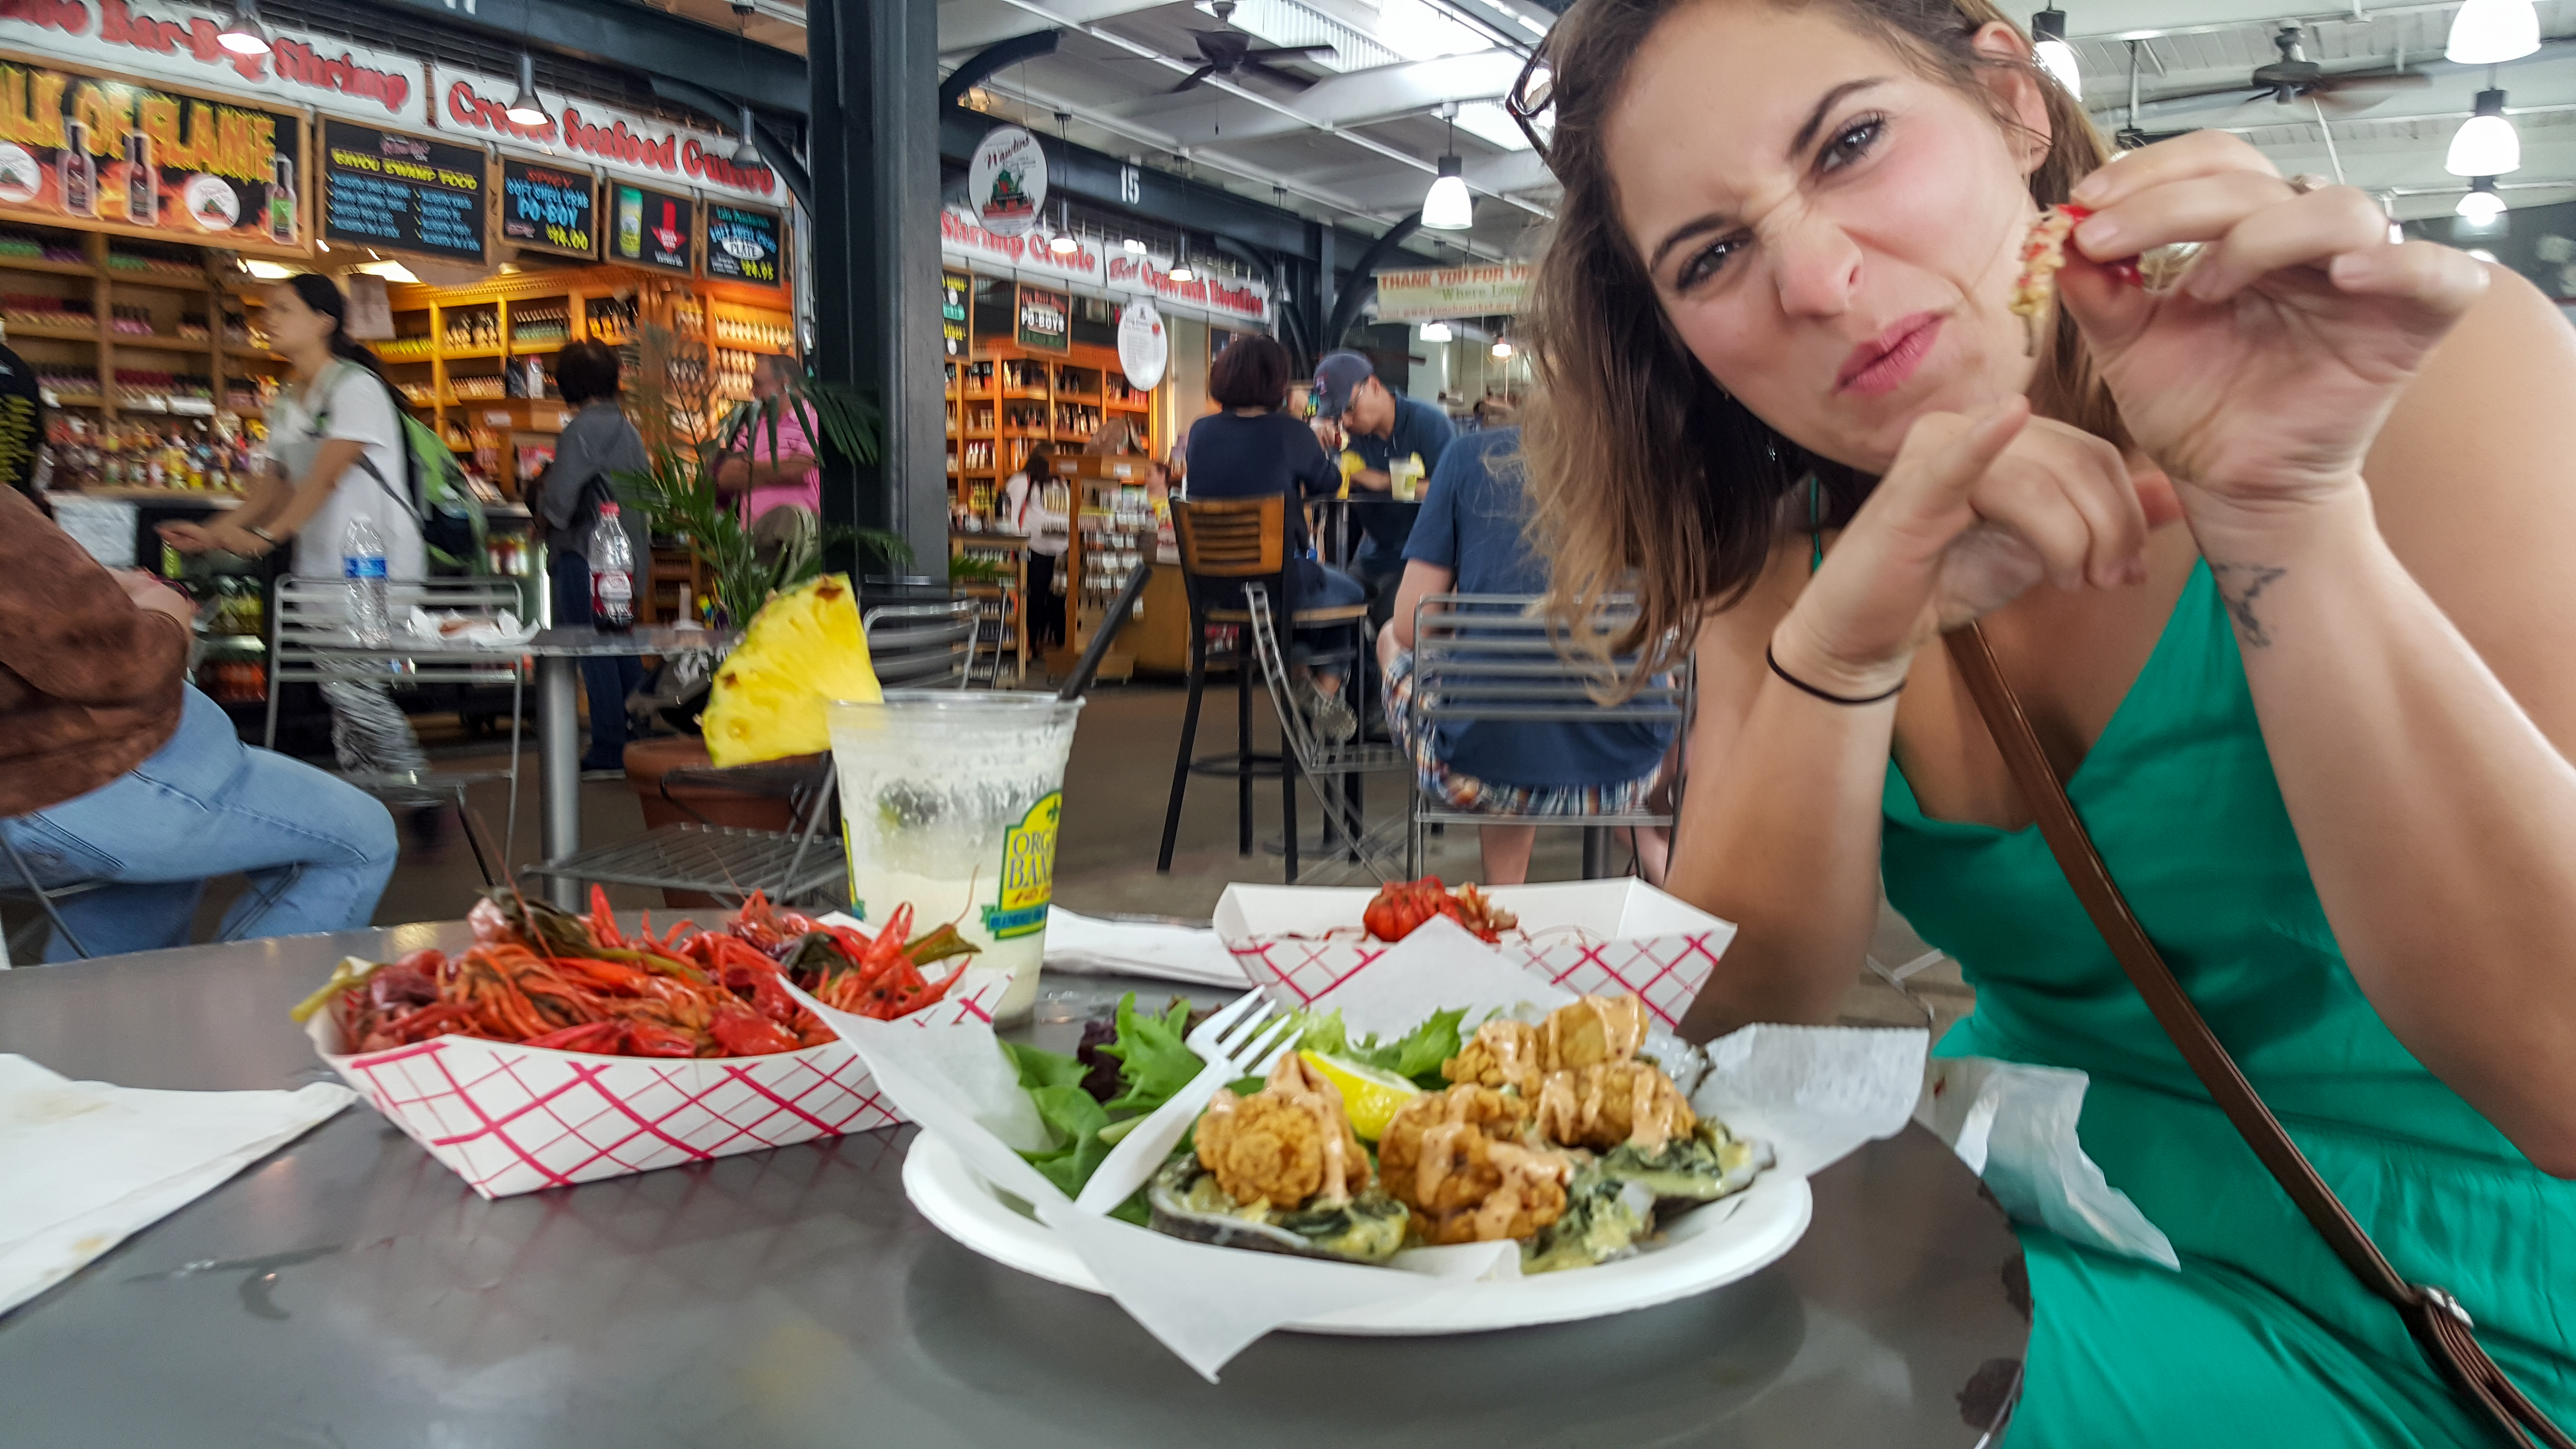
(2490, 32)
(524, 108)
(2481, 205)
(1435, 332)
(1181, 272)
(242, 33)
(2485, 144)
(2055, 56)
(747, 151)
(1447, 206)
(1136, 246)
(1502, 349)
(1063, 244)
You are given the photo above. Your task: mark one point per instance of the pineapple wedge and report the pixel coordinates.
(803, 650)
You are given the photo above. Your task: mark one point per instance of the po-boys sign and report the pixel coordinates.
(177, 42)
(615, 140)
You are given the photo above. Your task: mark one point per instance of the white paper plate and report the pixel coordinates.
(1718, 1244)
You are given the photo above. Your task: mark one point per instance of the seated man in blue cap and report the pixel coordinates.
(1376, 428)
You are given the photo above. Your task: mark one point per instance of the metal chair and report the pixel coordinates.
(45, 897)
(1330, 769)
(309, 643)
(913, 646)
(1491, 658)
(1225, 544)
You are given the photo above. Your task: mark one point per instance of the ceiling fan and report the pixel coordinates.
(2295, 78)
(1231, 53)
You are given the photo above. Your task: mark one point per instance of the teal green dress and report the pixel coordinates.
(2263, 1338)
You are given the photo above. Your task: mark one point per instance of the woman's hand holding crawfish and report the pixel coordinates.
(1973, 512)
(2259, 382)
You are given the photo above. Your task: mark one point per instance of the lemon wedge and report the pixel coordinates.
(1370, 1095)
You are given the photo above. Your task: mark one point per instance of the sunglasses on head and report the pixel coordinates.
(1532, 101)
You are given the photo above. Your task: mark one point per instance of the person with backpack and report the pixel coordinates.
(598, 444)
(339, 454)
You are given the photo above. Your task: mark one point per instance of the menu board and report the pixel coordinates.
(954, 290)
(652, 228)
(76, 148)
(1045, 319)
(549, 208)
(744, 245)
(402, 193)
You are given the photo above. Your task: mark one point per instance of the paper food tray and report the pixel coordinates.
(510, 1119)
(1593, 938)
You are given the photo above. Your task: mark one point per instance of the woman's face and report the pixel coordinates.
(292, 325)
(1833, 234)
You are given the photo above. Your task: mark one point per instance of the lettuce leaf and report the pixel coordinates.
(1417, 1054)
(1153, 1059)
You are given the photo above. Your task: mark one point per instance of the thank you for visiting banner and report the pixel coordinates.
(1432, 293)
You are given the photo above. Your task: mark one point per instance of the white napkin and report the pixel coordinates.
(2013, 1124)
(1086, 944)
(88, 1163)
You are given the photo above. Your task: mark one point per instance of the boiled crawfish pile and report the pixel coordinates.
(1400, 906)
(543, 977)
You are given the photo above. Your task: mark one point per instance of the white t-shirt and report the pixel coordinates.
(1038, 514)
(357, 407)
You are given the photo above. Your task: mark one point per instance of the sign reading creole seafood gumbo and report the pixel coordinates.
(402, 193)
(1432, 293)
(74, 147)
(550, 208)
(1006, 183)
(591, 133)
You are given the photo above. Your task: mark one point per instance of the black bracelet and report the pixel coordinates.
(1830, 698)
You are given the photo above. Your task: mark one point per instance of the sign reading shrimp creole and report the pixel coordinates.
(1006, 183)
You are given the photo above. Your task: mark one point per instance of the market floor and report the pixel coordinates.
(1115, 790)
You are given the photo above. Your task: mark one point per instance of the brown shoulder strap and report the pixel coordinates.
(2440, 1325)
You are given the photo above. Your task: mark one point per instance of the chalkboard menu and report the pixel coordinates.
(743, 245)
(1043, 319)
(954, 290)
(549, 208)
(652, 228)
(402, 193)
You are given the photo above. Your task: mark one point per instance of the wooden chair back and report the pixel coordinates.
(1232, 538)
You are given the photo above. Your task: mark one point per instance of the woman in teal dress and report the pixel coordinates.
(2277, 562)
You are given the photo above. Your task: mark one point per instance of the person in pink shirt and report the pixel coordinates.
(773, 469)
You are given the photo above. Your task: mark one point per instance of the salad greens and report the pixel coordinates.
(1417, 1054)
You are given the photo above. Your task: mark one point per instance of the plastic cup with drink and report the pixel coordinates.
(949, 803)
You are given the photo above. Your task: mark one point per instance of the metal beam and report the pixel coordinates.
(876, 257)
(789, 166)
(992, 58)
(633, 37)
(1364, 281)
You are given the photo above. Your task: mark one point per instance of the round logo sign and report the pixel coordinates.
(1007, 181)
(1144, 347)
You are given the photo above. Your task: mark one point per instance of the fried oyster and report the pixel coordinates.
(1461, 1159)
(1287, 1144)
(1613, 1104)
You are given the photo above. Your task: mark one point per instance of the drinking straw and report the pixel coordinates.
(1119, 608)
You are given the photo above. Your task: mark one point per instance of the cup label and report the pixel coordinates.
(1028, 872)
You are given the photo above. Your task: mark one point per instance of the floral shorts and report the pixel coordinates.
(1462, 791)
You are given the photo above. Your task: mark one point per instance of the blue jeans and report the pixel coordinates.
(606, 681)
(317, 850)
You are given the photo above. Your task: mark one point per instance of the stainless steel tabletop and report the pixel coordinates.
(348, 1291)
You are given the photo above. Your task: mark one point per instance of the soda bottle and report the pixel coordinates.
(612, 574)
(362, 563)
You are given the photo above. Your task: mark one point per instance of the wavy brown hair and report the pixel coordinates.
(1646, 478)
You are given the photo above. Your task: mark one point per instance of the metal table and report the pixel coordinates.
(559, 653)
(348, 1291)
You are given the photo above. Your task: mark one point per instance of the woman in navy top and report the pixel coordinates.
(1254, 450)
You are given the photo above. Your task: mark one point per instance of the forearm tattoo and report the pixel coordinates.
(2238, 587)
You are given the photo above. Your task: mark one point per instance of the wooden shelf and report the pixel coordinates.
(77, 400)
(126, 277)
(46, 329)
(39, 264)
(451, 354)
(262, 354)
(158, 342)
(531, 349)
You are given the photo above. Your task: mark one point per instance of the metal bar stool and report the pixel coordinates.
(1225, 543)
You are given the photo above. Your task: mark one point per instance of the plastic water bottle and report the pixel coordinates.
(362, 563)
(612, 574)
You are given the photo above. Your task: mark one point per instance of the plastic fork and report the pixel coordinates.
(1246, 1039)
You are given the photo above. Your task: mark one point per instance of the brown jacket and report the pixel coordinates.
(89, 680)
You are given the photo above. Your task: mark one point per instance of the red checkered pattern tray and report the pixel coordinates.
(1667, 971)
(512, 1119)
